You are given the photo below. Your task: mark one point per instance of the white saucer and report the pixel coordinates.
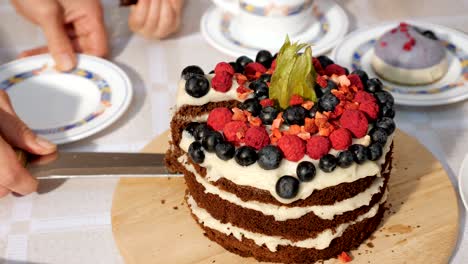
(463, 181)
(356, 51)
(65, 107)
(331, 27)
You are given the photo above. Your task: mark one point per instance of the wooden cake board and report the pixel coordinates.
(152, 224)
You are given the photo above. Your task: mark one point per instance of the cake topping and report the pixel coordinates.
(387, 124)
(355, 121)
(374, 151)
(197, 86)
(287, 187)
(196, 152)
(294, 115)
(256, 137)
(265, 58)
(341, 138)
(191, 70)
(318, 146)
(269, 157)
(327, 163)
(225, 150)
(234, 131)
(374, 85)
(305, 171)
(293, 147)
(243, 61)
(210, 141)
(219, 117)
(246, 156)
(345, 159)
(359, 153)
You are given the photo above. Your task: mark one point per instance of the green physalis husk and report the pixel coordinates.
(294, 74)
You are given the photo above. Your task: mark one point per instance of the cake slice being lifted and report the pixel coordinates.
(286, 159)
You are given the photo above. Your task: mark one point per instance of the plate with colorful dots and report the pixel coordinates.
(356, 51)
(66, 106)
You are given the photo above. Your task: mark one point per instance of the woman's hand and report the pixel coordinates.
(14, 133)
(69, 26)
(155, 19)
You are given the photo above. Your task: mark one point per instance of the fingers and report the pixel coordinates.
(166, 23)
(32, 52)
(5, 103)
(16, 133)
(12, 175)
(138, 15)
(90, 34)
(4, 191)
(58, 42)
(155, 12)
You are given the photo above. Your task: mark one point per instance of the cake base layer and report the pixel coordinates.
(351, 238)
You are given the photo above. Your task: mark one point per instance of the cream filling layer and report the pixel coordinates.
(409, 76)
(283, 213)
(321, 241)
(183, 98)
(259, 178)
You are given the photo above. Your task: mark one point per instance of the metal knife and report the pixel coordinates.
(95, 165)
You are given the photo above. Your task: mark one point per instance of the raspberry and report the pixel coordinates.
(355, 121)
(292, 146)
(267, 102)
(371, 109)
(253, 68)
(341, 139)
(224, 67)
(296, 100)
(363, 97)
(222, 82)
(317, 66)
(334, 69)
(318, 146)
(234, 131)
(256, 137)
(356, 81)
(219, 117)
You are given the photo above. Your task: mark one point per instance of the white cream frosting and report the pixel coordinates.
(409, 76)
(183, 98)
(283, 213)
(321, 241)
(259, 178)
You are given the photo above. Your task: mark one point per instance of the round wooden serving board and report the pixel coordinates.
(151, 223)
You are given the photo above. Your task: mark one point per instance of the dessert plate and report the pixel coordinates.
(463, 181)
(66, 106)
(356, 52)
(330, 26)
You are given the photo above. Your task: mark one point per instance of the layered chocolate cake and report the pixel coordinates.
(286, 158)
(410, 55)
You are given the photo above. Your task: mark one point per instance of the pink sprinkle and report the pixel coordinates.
(394, 31)
(383, 43)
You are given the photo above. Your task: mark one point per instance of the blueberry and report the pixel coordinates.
(269, 157)
(362, 75)
(313, 111)
(328, 102)
(327, 163)
(190, 128)
(374, 151)
(387, 110)
(322, 91)
(191, 70)
(430, 34)
(287, 187)
(374, 85)
(305, 171)
(211, 72)
(379, 135)
(201, 131)
(252, 105)
(197, 86)
(225, 150)
(384, 98)
(294, 115)
(268, 115)
(196, 152)
(325, 61)
(387, 124)
(237, 68)
(265, 78)
(345, 159)
(246, 156)
(265, 58)
(262, 91)
(243, 60)
(359, 153)
(210, 140)
(254, 85)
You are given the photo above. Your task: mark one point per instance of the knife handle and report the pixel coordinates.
(22, 156)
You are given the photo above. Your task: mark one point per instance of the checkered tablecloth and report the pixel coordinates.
(69, 222)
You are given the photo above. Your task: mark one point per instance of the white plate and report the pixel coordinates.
(66, 106)
(331, 27)
(463, 181)
(356, 51)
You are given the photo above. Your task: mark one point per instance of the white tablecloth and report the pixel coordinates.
(71, 224)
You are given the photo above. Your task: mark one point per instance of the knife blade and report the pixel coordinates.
(97, 165)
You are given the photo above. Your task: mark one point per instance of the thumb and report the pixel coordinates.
(58, 42)
(17, 134)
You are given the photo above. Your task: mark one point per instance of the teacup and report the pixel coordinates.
(265, 23)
